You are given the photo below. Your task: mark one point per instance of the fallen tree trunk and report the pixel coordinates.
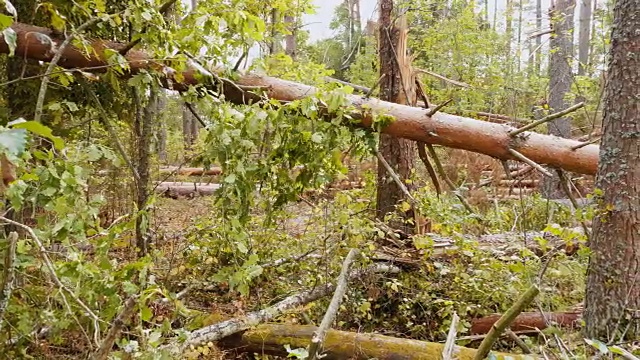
(529, 321)
(181, 189)
(189, 171)
(271, 339)
(411, 123)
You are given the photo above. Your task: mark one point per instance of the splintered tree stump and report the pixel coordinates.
(529, 321)
(270, 339)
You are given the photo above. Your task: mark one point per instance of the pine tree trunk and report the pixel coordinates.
(560, 79)
(395, 87)
(584, 37)
(538, 61)
(613, 278)
(162, 129)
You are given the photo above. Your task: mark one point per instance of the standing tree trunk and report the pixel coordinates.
(145, 116)
(560, 79)
(189, 122)
(162, 129)
(396, 86)
(538, 60)
(584, 37)
(290, 38)
(613, 277)
(275, 46)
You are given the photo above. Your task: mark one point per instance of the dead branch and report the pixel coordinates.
(116, 326)
(444, 78)
(422, 153)
(546, 119)
(449, 345)
(334, 305)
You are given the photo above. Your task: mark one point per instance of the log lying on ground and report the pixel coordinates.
(189, 171)
(271, 339)
(411, 123)
(185, 189)
(227, 328)
(529, 321)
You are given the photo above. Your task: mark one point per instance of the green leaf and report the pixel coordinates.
(230, 179)
(5, 21)
(145, 313)
(13, 141)
(41, 130)
(316, 138)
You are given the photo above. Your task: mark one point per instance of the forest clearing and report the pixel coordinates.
(208, 179)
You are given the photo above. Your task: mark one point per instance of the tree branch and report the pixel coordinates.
(332, 310)
(504, 321)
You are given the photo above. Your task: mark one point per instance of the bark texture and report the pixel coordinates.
(396, 87)
(560, 79)
(411, 123)
(613, 279)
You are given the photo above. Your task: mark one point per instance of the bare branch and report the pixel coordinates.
(116, 326)
(451, 81)
(546, 119)
(332, 310)
(529, 162)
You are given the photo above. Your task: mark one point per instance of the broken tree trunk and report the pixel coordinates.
(411, 123)
(271, 339)
(529, 321)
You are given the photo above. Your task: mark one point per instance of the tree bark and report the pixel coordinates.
(584, 36)
(271, 339)
(397, 87)
(613, 276)
(528, 321)
(411, 123)
(538, 61)
(145, 115)
(290, 38)
(560, 79)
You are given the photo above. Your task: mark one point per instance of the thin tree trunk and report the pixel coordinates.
(584, 37)
(275, 46)
(395, 87)
(560, 79)
(145, 116)
(538, 60)
(613, 277)
(290, 39)
(162, 129)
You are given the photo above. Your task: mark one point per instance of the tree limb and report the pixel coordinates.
(9, 274)
(332, 310)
